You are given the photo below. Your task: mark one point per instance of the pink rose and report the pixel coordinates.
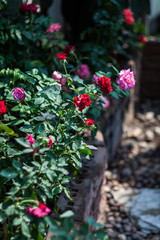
(128, 16)
(83, 71)
(19, 94)
(143, 39)
(126, 79)
(39, 212)
(50, 142)
(105, 101)
(56, 75)
(63, 81)
(30, 139)
(54, 27)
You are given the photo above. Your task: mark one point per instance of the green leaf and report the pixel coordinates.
(8, 173)
(96, 112)
(10, 210)
(2, 217)
(8, 130)
(18, 34)
(23, 142)
(67, 214)
(86, 151)
(25, 229)
(115, 70)
(57, 189)
(39, 100)
(17, 221)
(39, 128)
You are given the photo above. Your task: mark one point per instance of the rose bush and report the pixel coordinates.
(42, 143)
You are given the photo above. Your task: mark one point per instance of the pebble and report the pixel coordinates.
(149, 116)
(122, 237)
(157, 130)
(136, 166)
(149, 135)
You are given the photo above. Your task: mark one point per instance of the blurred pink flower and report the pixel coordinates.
(50, 142)
(39, 212)
(56, 75)
(69, 48)
(83, 71)
(54, 27)
(128, 16)
(28, 8)
(19, 94)
(126, 79)
(95, 79)
(105, 101)
(63, 81)
(30, 139)
(143, 39)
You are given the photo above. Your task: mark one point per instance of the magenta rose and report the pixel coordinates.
(83, 71)
(126, 79)
(19, 94)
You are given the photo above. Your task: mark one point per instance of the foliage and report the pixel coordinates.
(108, 39)
(38, 171)
(23, 37)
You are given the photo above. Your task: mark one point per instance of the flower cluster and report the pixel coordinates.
(28, 8)
(89, 122)
(54, 27)
(39, 212)
(126, 79)
(61, 56)
(82, 101)
(105, 84)
(19, 94)
(3, 108)
(128, 16)
(83, 71)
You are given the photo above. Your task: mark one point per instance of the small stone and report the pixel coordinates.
(136, 236)
(127, 228)
(126, 171)
(118, 225)
(140, 116)
(135, 133)
(157, 130)
(156, 238)
(149, 135)
(143, 144)
(108, 174)
(149, 116)
(122, 237)
(111, 219)
(143, 161)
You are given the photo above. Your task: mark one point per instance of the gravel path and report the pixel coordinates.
(135, 166)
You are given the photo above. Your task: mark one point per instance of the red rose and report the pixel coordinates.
(143, 39)
(33, 8)
(89, 122)
(28, 8)
(3, 108)
(105, 84)
(82, 101)
(69, 48)
(61, 56)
